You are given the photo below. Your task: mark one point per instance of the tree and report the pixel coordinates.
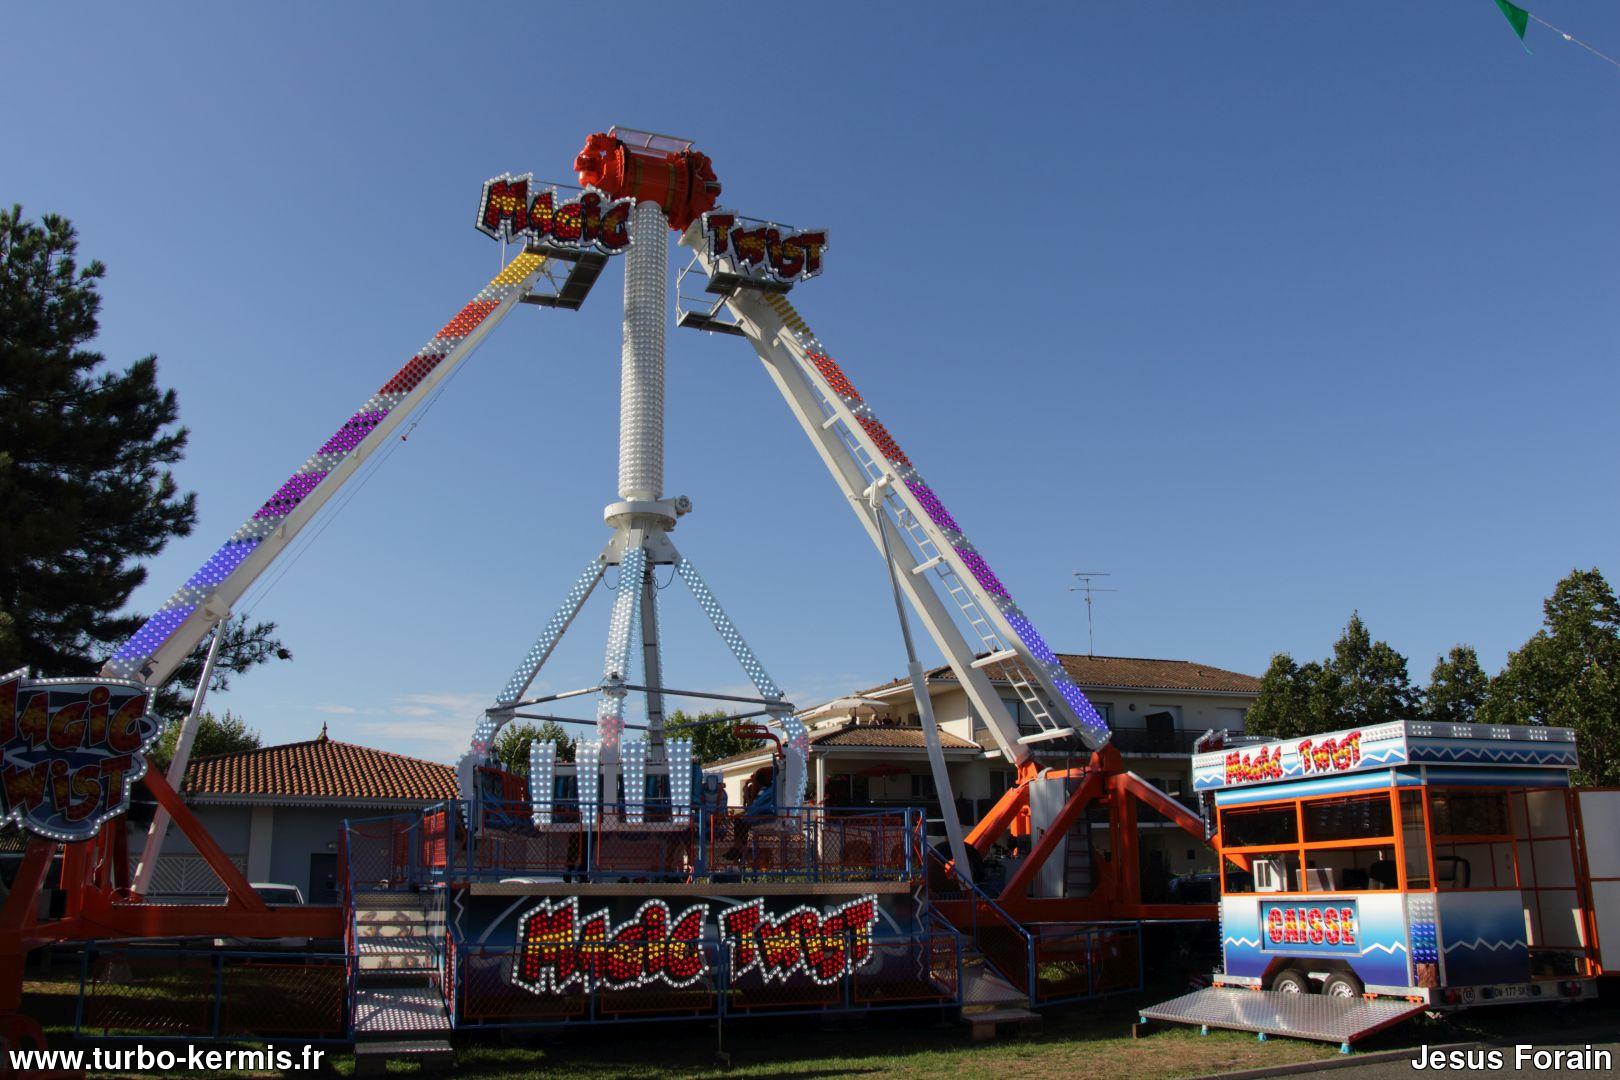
(1371, 681)
(227, 734)
(712, 738)
(1282, 710)
(1364, 682)
(85, 453)
(511, 747)
(1457, 688)
(1568, 675)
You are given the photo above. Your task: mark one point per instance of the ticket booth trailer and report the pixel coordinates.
(1438, 863)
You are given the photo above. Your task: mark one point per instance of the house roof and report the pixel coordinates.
(866, 737)
(885, 736)
(321, 768)
(1124, 673)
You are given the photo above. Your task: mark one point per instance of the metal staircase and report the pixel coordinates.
(399, 1004)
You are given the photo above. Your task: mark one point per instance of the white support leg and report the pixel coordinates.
(177, 765)
(795, 739)
(623, 629)
(652, 666)
(803, 402)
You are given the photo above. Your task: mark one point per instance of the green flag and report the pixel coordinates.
(1517, 17)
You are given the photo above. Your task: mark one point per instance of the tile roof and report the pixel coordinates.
(321, 768)
(864, 737)
(886, 736)
(1127, 673)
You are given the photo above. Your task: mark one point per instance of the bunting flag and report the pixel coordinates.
(1517, 17)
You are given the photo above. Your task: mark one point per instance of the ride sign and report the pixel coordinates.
(785, 255)
(70, 751)
(510, 209)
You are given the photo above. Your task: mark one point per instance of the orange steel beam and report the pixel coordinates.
(999, 818)
(241, 894)
(1190, 822)
(1083, 796)
(1122, 842)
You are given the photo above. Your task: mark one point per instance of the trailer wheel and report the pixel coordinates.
(1343, 984)
(1291, 981)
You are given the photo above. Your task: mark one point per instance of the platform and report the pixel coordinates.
(1298, 1016)
(538, 887)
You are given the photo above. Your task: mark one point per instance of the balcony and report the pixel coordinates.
(1173, 741)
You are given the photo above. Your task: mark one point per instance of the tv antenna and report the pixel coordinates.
(1088, 588)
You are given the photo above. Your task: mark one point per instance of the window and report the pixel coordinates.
(1339, 844)
(1357, 817)
(1260, 827)
(1351, 869)
(1415, 839)
(1468, 813)
(1473, 839)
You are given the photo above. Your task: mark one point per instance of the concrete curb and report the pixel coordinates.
(1348, 1061)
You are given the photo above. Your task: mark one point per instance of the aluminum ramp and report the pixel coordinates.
(1298, 1016)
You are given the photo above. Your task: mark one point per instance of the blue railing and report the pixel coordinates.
(154, 991)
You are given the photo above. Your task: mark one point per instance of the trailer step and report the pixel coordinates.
(1270, 1012)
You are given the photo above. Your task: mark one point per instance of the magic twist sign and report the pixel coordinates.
(70, 752)
(559, 950)
(513, 209)
(782, 254)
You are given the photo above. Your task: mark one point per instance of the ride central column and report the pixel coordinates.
(641, 367)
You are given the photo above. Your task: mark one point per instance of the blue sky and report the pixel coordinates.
(1273, 311)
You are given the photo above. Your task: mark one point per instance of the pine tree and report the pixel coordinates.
(1457, 688)
(85, 485)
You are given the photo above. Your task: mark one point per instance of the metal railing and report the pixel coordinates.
(1070, 961)
(1048, 962)
(488, 840)
(151, 991)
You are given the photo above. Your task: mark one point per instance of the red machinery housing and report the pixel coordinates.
(643, 166)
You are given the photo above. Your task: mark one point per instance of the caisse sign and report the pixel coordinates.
(1324, 927)
(70, 751)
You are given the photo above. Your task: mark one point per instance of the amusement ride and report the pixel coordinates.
(583, 892)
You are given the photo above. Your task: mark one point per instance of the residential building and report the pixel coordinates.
(277, 811)
(868, 749)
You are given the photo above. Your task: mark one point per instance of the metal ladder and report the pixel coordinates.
(1048, 727)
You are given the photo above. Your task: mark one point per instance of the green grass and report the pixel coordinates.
(1088, 1040)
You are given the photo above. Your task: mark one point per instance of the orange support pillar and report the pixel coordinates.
(18, 918)
(241, 894)
(1076, 804)
(999, 819)
(1127, 857)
